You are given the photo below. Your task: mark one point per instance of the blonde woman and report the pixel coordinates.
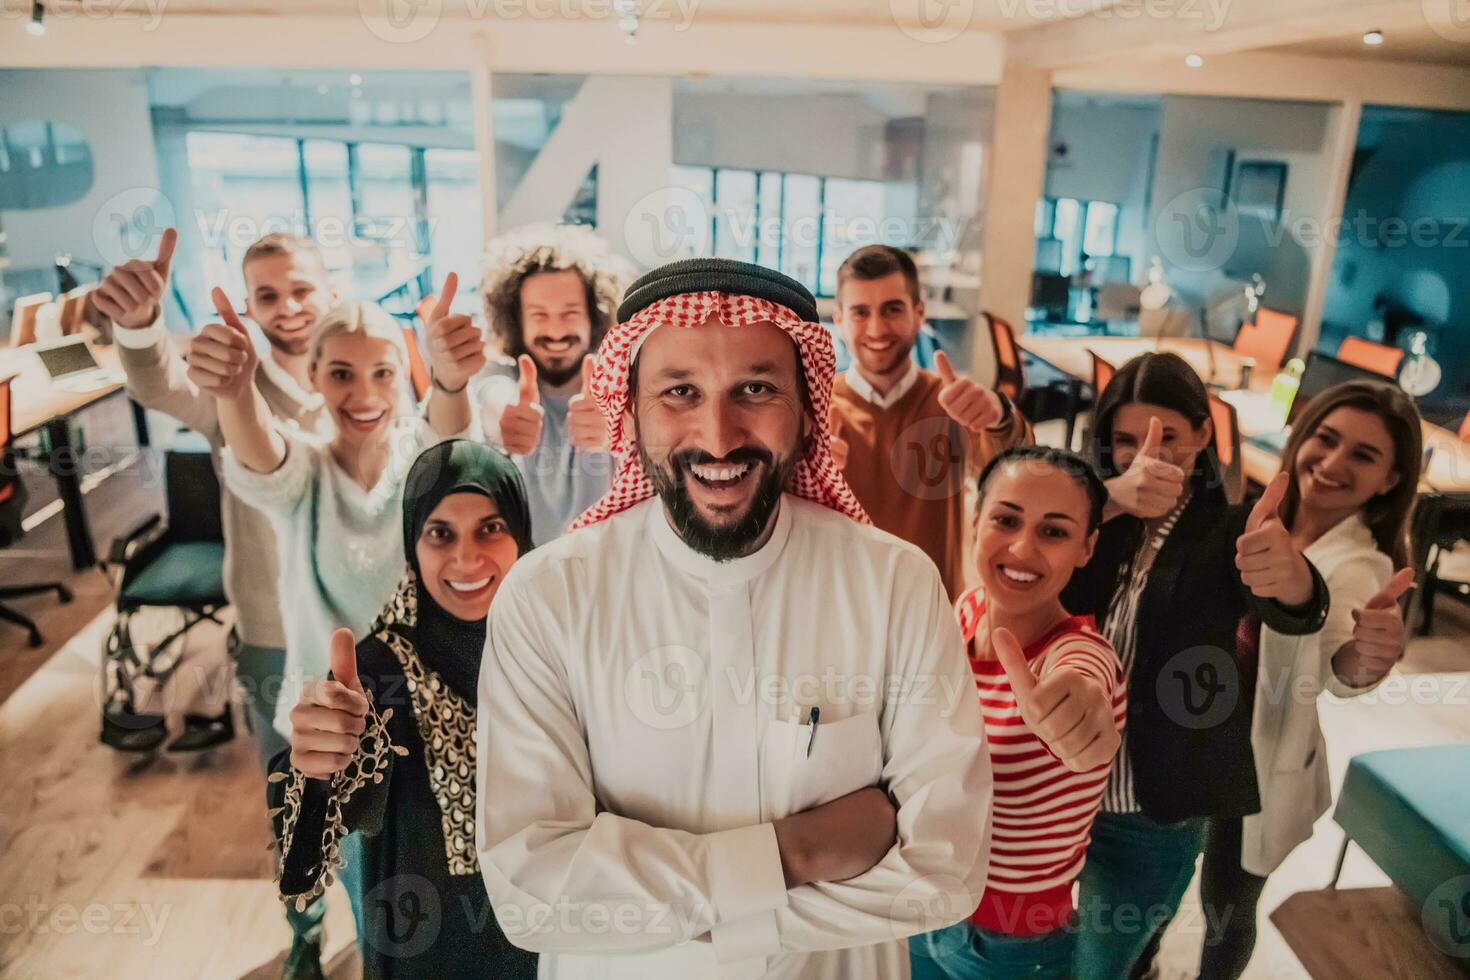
(335, 505)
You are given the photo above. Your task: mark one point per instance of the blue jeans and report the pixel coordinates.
(1136, 873)
(259, 671)
(966, 952)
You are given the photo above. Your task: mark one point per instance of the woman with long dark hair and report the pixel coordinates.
(1192, 567)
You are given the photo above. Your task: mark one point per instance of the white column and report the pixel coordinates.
(1343, 145)
(480, 89)
(1017, 178)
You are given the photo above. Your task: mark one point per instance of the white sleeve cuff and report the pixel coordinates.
(746, 879)
(750, 939)
(139, 339)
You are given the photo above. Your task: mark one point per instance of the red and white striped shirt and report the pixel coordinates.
(1043, 811)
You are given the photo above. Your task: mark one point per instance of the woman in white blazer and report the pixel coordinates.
(1354, 458)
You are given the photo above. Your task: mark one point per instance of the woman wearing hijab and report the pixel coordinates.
(386, 746)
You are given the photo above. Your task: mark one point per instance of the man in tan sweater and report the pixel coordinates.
(909, 440)
(286, 291)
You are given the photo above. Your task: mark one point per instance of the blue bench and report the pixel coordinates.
(1409, 810)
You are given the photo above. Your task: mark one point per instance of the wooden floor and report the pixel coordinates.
(159, 869)
(1360, 934)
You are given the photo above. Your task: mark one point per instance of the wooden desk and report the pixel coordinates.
(37, 404)
(1070, 356)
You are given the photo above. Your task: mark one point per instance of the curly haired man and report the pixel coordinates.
(550, 292)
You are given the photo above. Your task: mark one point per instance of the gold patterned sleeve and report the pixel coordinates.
(311, 817)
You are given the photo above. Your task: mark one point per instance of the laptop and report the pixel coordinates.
(1322, 372)
(72, 367)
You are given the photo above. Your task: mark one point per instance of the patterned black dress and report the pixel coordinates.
(410, 792)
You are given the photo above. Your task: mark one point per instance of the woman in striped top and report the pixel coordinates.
(1052, 693)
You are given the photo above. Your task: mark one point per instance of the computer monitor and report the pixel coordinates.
(1322, 372)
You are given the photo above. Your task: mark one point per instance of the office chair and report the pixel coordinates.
(1268, 339)
(1051, 400)
(1010, 375)
(1378, 358)
(13, 498)
(1227, 448)
(174, 563)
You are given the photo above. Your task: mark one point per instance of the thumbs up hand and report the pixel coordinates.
(1270, 565)
(585, 426)
(838, 446)
(132, 292)
(456, 347)
(972, 406)
(328, 722)
(520, 424)
(222, 359)
(1379, 631)
(1149, 487)
(1066, 709)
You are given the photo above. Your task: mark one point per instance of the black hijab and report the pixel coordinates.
(450, 646)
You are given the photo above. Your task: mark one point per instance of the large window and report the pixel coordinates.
(802, 224)
(456, 234)
(1072, 232)
(384, 214)
(243, 187)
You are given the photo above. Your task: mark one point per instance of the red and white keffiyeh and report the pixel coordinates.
(816, 476)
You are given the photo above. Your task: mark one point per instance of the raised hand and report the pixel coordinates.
(975, 407)
(456, 347)
(1379, 631)
(328, 722)
(1149, 487)
(520, 424)
(131, 294)
(585, 426)
(222, 359)
(1270, 565)
(839, 447)
(1067, 710)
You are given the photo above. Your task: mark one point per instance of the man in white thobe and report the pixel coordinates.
(727, 727)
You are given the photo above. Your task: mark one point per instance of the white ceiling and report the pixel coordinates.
(980, 15)
(1414, 43)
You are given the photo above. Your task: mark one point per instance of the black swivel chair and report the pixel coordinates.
(13, 498)
(175, 562)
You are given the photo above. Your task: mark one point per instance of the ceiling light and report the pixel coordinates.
(1194, 61)
(354, 79)
(1373, 38)
(36, 26)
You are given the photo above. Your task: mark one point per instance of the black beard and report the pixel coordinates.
(723, 542)
(556, 377)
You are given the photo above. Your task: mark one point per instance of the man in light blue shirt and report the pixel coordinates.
(550, 292)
